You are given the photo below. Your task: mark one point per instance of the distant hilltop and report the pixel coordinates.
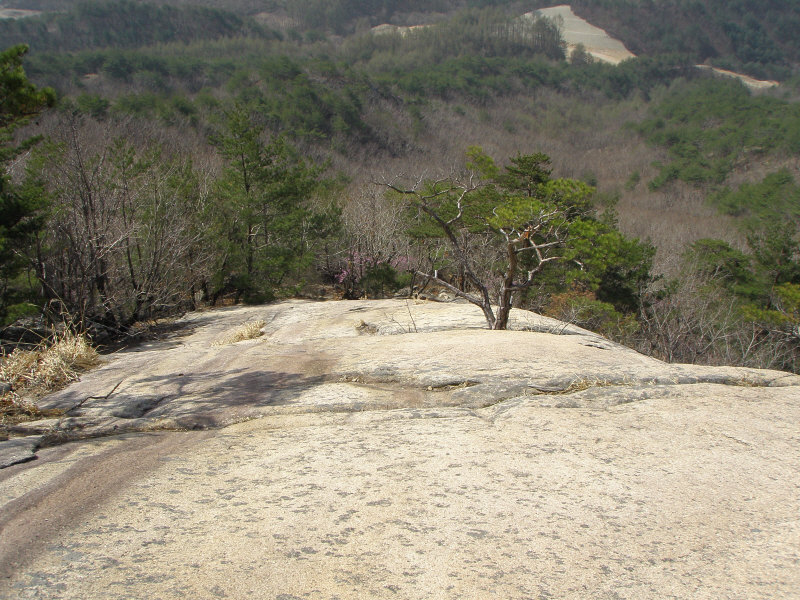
(595, 41)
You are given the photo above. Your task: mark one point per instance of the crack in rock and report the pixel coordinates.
(317, 362)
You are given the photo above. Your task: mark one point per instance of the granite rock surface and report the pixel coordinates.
(397, 449)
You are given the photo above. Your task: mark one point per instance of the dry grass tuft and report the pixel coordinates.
(14, 409)
(33, 373)
(247, 331)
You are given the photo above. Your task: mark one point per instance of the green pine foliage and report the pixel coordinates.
(774, 198)
(712, 125)
(539, 236)
(21, 215)
(123, 24)
(249, 219)
(266, 230)
(758, 37)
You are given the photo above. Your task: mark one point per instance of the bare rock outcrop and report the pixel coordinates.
(396, 449)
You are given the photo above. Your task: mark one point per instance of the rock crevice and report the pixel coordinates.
(314, 358)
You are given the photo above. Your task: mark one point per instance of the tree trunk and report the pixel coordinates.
(506, 297)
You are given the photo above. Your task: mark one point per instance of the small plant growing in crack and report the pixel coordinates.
(583, 383)
(403, 327)
(449, 387)
(365, 328)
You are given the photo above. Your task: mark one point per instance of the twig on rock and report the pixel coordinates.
(106, 397)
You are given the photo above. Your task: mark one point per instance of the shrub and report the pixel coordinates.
(584, 310)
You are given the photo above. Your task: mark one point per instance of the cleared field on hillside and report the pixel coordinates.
(578, 31)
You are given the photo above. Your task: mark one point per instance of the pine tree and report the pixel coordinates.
(20, 214)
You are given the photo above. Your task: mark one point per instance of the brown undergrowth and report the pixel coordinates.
(26, 375)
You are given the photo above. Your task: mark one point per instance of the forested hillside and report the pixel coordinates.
(758, 37)
(203, 154)
(123, 24)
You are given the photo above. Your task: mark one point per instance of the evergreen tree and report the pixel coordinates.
(266, 225)
(20, 216)
(542, 231)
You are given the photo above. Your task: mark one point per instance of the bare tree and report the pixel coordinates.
(694, 320)
(124, 240)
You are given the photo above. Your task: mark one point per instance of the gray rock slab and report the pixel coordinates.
(18, 450)
(315, 357)
(690, 491)
(395, 449)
